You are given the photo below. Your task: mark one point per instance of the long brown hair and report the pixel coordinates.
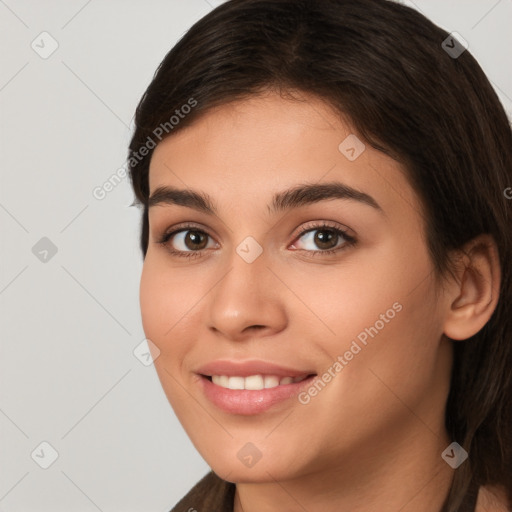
(384, 67)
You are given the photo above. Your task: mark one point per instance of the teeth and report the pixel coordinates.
(236, 383)
(271, 381)
(254, 382)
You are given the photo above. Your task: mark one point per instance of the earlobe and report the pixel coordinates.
(474, 295)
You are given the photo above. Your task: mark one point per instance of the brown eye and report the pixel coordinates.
(323, 239)
(195, 240)
(186, 241)
(326, 238)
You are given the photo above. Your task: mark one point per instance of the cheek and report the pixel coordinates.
(164, 301)
(154, 302)
(356, 299)
(165, 296)
(163, 304)
(385, 323)
(390, 360)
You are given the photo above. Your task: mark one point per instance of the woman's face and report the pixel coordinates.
(264, 286)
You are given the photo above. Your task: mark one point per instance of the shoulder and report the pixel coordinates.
(210, 493)
(492, 499)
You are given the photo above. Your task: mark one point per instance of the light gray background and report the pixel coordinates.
(69, 326)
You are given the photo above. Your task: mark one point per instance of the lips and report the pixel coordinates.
(251, 387)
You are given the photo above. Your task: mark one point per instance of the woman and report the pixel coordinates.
(327, 246)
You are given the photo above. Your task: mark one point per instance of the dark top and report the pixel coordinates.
(213, 494)
(210, 494)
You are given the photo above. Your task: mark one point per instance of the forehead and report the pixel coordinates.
(247, 150)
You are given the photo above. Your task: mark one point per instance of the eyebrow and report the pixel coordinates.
(295, 197)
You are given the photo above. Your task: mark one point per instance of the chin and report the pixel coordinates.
(237, 467)
(253, 475)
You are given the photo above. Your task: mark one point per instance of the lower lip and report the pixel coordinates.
(248, 402)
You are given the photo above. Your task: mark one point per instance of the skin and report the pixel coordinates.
(372, 438)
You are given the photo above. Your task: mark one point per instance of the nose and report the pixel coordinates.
(247, 302)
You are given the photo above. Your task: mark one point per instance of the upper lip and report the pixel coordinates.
(250, 367)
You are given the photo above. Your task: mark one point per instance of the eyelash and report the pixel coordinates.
(349, 240)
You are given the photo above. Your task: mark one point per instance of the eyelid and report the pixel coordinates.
(341, 230)
(319, 224)
(184, 226)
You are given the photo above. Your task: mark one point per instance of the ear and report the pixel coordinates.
(473, 296)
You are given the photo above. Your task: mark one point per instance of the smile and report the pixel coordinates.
(246, 401)
(254, 382)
